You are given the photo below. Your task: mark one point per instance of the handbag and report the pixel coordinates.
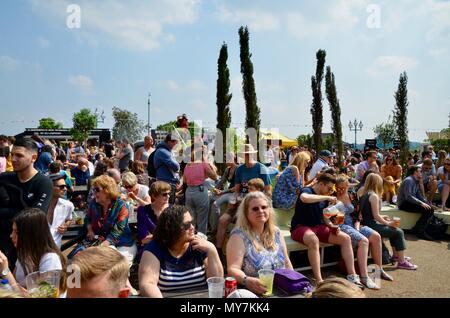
(292, 282)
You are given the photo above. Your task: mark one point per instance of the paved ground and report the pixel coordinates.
(431, 279)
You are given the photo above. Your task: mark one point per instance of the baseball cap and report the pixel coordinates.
(57, 176)
(326, 153)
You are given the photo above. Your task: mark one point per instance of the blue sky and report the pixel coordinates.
(125, 49)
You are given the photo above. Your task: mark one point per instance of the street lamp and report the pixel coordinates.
(355, 127)
(99, 117)
(148, 121)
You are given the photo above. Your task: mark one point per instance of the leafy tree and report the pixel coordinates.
(223, 97)
(400, 118)
(127, 125)
(316, 107)
(335, 108)
(252, 119)
(305, 141)
(386, 132)
(83, 122)
(49, 123)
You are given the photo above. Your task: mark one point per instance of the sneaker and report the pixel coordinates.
(386, 276)
(355, 280)
(369, 283)
(395, 258)
(406, 265)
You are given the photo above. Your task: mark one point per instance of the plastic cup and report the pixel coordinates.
(266, 278)
(340, 218)
(43, 284)
(396, 219)
(216, 287)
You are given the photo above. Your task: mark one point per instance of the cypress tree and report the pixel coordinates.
(252, 119)
(316, 107)
(400, 118)
(223, 97)
(335, 108)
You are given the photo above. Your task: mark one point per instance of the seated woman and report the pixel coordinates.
(370, 202)
(36, 250)
(137, 167)
(107, 217)
(147, 216)
(391, 172)
(134, 190)
(176, 258)
(290, 182)
(361, 236)
(255, 243)
(443, 174)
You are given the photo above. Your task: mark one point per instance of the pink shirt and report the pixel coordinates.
(195, 174)
(2, 164)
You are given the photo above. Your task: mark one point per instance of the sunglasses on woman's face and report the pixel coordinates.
(187, 226)
(61, 186)
(165, 194)
(256, 208)
(97, 189)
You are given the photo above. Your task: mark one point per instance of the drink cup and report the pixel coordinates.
(396, 219)
(266, 278)
(333, 210)
(43, 284)
(216, 286)
(340, 218)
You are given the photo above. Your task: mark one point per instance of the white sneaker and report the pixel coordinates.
(369, 283)
(394, 199)
(355, 280)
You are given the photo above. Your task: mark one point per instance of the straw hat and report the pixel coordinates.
(247, 149)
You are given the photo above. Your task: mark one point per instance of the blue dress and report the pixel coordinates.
(255, 260)
(285, 192)
(349, 228)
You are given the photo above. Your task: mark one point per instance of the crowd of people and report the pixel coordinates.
(184, 210)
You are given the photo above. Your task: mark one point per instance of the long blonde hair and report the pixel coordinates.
(374, 183)
(267, 237)
(301, 161)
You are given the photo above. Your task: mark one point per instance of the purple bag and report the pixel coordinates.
(292, 282)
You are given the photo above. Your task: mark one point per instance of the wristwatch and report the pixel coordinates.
(5, 272)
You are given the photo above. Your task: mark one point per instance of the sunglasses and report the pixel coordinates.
(61, 187)
(447, 164)
(187, 226)
(165, 194)
(262, 207)
(128, 186)
(97, 189)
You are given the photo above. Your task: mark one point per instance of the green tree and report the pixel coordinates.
(386, 132)
(335, 108)
(49, 123)
(252, 119)
(127, 125)
(401, 118)
(223, 98)
(316, 107)
(83, 122)
(305, 141)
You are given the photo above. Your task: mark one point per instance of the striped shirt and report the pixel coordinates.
(179, 273)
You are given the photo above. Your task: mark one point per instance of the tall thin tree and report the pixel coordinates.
(316, 107)
(400, 118)
(335, 108)
(252, 119)
(223, 97)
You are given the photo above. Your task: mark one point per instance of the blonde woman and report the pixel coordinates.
(290, 182)
(255, 243)
(134, 190)
(370, 207)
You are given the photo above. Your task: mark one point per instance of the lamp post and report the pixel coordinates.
(99, 117)
(355, 127)
(148, 121)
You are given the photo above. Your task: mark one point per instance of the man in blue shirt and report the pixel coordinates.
(166, 166)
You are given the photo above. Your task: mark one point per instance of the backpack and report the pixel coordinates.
(435, 228)
(151, 169)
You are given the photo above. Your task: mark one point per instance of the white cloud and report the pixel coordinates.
(199, 104)
(134, 25)
(255, 19)
(172, 85)
(82, 82)
(7, 63)
(42, 42)
(191, 86)
(395, 64)
(440, 21)
(196, 85)
(437, 52)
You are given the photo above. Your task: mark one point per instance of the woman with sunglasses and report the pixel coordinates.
(135, 191)
(176, 258)
(443, 174)
(107, 217)
(255, 243)
(147, 216)
(391, 172)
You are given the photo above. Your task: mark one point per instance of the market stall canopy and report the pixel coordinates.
(285, 142)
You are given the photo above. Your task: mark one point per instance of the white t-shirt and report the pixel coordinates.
(91, 168)
(318, 165)
(440, 172)
(142, 192)
(49, 262)
(63, 212)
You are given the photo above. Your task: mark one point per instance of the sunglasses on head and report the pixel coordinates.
(187, 226)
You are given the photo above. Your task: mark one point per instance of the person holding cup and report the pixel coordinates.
(361, 236)
(255, 243)
(36, 250)
(176, 258)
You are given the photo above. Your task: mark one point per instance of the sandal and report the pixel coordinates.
(386, 276)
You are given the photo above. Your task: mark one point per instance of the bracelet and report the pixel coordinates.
(244, 281)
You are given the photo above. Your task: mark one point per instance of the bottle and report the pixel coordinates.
(4, 283)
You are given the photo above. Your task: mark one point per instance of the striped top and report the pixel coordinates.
(179, 273)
